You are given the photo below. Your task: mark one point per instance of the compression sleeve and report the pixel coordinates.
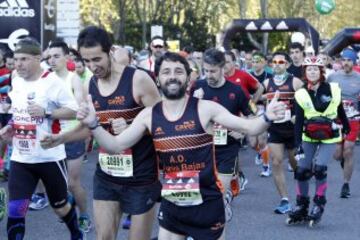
(299, 124)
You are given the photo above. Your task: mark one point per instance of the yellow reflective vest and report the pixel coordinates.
(303, 98)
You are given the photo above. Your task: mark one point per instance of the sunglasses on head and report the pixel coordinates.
(158, 46)
(278, 62)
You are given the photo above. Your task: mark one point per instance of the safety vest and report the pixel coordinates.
(303, 98)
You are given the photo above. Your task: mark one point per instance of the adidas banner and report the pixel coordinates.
(21, 18)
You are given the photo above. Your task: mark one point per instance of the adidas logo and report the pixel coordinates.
(16, 8)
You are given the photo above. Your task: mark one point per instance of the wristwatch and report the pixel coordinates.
(93, 125)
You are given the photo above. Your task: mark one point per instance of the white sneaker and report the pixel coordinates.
(243, 182)
(266, 172)
(258, 159)
(290, 169)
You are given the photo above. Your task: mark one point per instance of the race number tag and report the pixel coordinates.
(182, 188)
(117, 165)
(350, 109)
(220, 135)
(25, 138)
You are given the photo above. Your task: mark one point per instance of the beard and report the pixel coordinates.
(171, 94)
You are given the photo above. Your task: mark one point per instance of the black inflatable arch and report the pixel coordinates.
(270, 25)
(341, 40)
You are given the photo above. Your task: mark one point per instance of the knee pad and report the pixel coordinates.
(302, 174)
(18, 208)
(320, 172)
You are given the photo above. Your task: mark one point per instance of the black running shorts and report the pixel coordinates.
(204, 221)
(134, 200)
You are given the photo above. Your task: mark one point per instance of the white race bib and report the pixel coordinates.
(220, 135)
(117, 165)
(182, 188)
(25, 138)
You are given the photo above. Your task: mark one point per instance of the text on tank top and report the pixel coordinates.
(187, 154)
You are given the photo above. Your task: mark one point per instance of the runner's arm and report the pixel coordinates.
(254, 126)
(145, 89)
(129, 137)
(78, 89)
(258, 93)
(297, 83)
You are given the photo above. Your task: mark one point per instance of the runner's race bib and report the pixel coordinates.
(350, 110)
(182, 188)
(25, 138)
(220, 135)
(117, 165)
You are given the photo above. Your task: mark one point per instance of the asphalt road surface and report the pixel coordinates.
(253, 218)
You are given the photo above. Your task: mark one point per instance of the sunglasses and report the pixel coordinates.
(158, 46)
(278, 62)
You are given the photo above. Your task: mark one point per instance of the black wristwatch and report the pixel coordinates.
(266, 119)
(95, 124)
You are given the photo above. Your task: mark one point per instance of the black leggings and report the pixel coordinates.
(24, 177)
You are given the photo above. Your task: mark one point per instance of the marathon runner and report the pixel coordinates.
(232, 98)
(317, 106)
(181, 128)
(259, 143)
(348, 81)
(58, 57)
(37, 97)
(281, 133)
(297, 57)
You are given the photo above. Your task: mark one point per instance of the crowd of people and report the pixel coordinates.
(169, 127)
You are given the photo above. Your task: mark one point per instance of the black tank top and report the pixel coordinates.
(286, 128)
(183, 145)
(121, 103)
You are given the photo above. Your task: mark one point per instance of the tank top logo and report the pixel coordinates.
(118, 100)
(159, 131)
(186, 125)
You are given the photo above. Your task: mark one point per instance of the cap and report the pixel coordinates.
(158, 42)
(350, 54)
(28, 46)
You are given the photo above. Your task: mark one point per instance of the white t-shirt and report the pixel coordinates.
(50, 93)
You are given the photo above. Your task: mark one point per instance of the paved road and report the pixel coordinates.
(253, 210)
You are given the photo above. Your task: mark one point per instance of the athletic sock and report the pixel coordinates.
(265, 155)
(16, 228)
(71, 222)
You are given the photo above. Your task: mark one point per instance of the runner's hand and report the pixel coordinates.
(35, 110)
(276, 110)
(86, 113)
(6, 133)
(118, 125)
(51, 140)
(199, 93)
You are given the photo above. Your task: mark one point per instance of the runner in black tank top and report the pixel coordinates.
(137, 168)
(121, 104)
(190, 184)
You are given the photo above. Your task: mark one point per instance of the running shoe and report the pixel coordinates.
(228, 212)
(345, 191)
(290, 169)
(127, 222)
(2, 203)
(85, 224)
(284, 207)
(243, 182)
(266, 171)
(258, 159)
(228, 196)
(38, 202)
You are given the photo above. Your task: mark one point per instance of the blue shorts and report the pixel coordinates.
(74, 150)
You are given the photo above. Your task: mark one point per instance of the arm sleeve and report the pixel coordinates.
(299, 124)
(344, 120)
